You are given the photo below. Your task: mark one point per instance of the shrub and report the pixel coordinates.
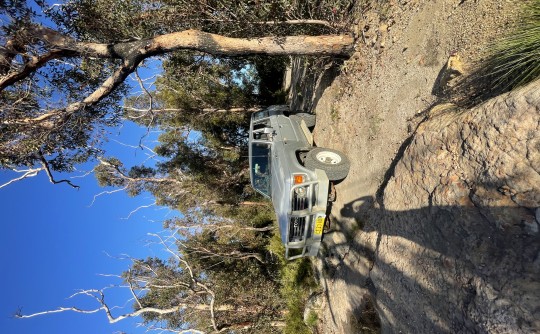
(515, 59)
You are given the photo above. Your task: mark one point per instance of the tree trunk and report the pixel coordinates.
(221, 45)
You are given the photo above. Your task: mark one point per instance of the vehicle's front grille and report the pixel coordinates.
(299, 203)
(296, 229)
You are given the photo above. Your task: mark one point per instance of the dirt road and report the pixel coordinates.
(435, 232)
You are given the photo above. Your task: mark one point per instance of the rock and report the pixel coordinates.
(454, 66)
(383, 33)
(453, 70)
(465, 194)
(531, 226)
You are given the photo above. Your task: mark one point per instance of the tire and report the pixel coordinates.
(334, 163)
(310, 119)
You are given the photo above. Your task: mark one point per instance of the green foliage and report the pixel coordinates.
(512, 61)
(166, 284)
(201, 136)
(270, 74)
(136, 19)
(296, 283)
(77, 140)
(224, 256)
(515, 59)
(312, 319)
(33, 122)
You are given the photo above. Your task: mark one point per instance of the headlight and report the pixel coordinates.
(300, 191)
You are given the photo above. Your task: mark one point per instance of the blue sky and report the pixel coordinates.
(54, 243)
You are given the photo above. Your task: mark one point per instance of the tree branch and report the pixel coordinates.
(108, 86)
(27, 173)
(193, 278)
(99, 296)
(45, 165)
(139, 208)
(31, 66)
(132, 53)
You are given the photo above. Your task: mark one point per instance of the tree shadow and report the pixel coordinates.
(443, 269)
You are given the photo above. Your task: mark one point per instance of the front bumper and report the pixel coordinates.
(306, 217)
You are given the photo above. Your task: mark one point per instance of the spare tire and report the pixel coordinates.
(334, 163)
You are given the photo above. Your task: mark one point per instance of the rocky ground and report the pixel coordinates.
(435, 228)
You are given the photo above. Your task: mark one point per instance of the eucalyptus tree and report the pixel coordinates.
(61, 85)
(199, 289)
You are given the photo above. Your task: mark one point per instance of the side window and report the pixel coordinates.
(260, 164)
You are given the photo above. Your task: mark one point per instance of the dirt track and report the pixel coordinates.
(397, 260)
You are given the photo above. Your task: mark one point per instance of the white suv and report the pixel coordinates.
(286, 168)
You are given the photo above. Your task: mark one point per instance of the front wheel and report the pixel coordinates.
(334, 163)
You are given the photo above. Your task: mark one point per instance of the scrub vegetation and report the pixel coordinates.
(297, 283)
(511, 61)
(515, 59)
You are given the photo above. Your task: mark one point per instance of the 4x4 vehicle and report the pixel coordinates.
(286, 168)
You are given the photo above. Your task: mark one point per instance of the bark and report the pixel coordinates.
(204, 111)
(132, 53)
(221, 45)
(47, 169)
(204, 42)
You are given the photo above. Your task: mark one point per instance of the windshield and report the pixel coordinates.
(260, 167)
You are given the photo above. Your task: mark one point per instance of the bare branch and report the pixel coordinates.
(31, 66)
(237, 255)
(59, 116)
(150, 107)
(45, 165)
(190, 270)
(181, 331)
(139, 208)
(99, 296)
(106, 192)
(121, 174)
(131, 289)
(58, 310)
(27, 173)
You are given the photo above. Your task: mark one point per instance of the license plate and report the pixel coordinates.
(319, 226)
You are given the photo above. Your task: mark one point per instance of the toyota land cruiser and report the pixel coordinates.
(286, 168)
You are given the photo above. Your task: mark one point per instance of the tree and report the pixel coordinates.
(61, 88)
(183, 293)
(40, 63)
